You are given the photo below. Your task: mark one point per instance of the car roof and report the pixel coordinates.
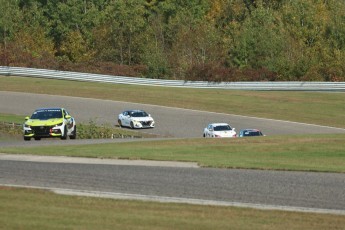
(134, 110)
(50, 108)
(218, 124)
(250, 130)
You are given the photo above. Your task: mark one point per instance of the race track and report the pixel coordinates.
(264, 189)
(298, 191)
(170, 122)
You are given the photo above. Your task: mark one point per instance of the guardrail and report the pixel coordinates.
(75, 76)
(10, 124)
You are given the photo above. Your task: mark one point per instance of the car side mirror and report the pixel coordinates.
(68, 116)
(26, 118)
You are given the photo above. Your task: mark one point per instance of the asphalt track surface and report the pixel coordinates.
(315, 192)
(293, 191)
(170, 122)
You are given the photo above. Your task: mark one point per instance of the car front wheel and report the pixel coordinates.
(74, 133)
(64, 136)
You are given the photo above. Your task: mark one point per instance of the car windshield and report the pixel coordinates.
(252, 133)
(139, 114)
(222, 128)
(46, 114)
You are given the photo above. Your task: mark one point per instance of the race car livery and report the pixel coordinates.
(50, 122)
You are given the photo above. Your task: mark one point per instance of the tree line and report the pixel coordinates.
(211, 40)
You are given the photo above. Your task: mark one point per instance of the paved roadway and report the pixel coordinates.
(170, 122)
(299, 190)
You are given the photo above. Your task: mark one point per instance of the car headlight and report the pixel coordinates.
(27, 126)
(60, 124)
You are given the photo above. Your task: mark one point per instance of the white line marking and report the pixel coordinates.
(86, 160)
(163, 199)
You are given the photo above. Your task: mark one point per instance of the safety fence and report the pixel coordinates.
(88, 77)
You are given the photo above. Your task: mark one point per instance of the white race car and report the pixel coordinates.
(219, 130)
(135, 119)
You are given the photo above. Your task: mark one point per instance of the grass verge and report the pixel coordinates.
(309, 107)
(322, 153)
(38, 209)
(9, 128)
(12, 118)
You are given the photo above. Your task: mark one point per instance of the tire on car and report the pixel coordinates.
(64, 136)
(74, 133)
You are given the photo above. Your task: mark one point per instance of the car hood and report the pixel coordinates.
(229, 133)
(142, 119)
(50, 122)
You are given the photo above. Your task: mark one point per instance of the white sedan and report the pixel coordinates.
(219, 130)
(135, 119)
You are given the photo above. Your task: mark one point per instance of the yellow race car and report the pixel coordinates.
(50, 122)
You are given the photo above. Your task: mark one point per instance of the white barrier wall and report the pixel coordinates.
(75, 76)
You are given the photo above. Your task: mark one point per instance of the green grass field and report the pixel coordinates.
(35, 209)
(322, 153)
(12, 118)
(38, 209)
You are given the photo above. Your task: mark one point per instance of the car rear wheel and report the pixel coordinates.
(132, 125)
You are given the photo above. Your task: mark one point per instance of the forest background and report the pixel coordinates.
(211, 40)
